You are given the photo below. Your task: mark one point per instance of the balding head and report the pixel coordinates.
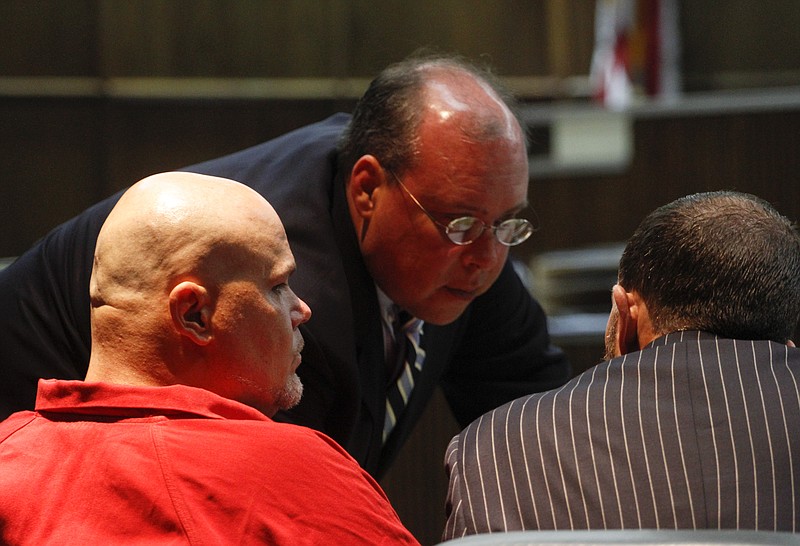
(387, 119)
(452, 95)
(184, 266)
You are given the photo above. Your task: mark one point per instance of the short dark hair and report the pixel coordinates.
(723, 262)
(386, 119)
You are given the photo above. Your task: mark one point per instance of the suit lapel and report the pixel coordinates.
(367, 329)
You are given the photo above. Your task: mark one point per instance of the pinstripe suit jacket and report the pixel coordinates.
(694, 431)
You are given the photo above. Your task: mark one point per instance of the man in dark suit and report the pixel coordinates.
(412, 204)
(691, 423)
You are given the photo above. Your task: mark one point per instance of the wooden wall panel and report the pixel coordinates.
(740, 43)
(153, 136)
(59, 156)
(48, 38)
(674, 156)
(570, 37)
(474, 28)
(229, 38)
(416, 484)
(48, 172)
(291, 38)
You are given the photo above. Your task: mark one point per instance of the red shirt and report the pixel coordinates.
(99, 463)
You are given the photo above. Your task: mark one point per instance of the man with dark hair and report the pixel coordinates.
(735, 278)
(412, 216)
(691, 421)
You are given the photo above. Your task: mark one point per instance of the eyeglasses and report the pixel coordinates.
(467, 229)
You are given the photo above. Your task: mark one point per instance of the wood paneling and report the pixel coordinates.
(288, 38)
(48, 38)
(59, 156)
(152, 136)
(50, 151)
(739, 42)
(230, 38)
(674, 156)
(473, 28)
(416, 484)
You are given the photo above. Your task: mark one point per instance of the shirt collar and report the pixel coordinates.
(109, 399)
(680, 337)
(388, 308)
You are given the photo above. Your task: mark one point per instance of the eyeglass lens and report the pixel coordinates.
(467, 229)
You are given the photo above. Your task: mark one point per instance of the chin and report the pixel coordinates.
(291, 393)
(442, 317)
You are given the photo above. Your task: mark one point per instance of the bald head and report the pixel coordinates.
(182, 261)
(173, 225)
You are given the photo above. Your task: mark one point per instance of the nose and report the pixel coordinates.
(484, 252)
(300, 313)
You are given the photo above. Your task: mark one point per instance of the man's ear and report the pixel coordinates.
(627, 326)
(190, 307)
(366, 176)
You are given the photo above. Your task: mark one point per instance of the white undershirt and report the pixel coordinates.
(388, 315)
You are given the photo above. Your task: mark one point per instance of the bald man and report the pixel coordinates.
(195, 343)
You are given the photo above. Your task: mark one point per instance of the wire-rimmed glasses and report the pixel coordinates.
(467, 229)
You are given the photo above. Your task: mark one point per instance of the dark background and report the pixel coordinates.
(96, 94)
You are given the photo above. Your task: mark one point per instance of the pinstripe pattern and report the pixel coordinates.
(692, 432)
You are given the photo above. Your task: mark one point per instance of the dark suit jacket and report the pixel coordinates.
(693, 432)
(498, 350)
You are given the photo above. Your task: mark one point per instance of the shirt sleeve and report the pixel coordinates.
(455, 525)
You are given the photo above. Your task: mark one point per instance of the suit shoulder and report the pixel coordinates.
(321, 137)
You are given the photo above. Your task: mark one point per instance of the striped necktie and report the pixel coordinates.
(410, 357)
